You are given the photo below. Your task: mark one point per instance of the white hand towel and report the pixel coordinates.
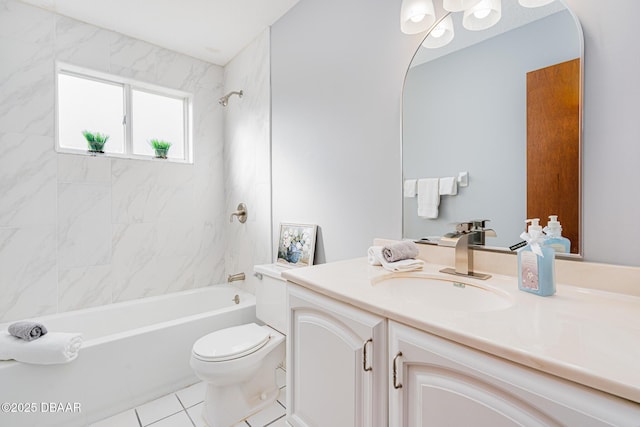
(448, 186)
(372, 255)
(375, 257)
(428, 197)
(410, 187)
(50, 349)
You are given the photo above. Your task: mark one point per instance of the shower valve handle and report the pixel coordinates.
(241, 213)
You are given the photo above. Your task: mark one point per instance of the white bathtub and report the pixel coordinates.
(133, 352)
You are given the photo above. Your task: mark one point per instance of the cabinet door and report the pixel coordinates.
(336, 363)
(441, 383)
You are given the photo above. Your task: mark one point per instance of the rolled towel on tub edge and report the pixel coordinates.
(26, 330)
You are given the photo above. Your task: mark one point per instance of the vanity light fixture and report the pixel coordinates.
(459, 5)
(441, 35)
(483, 15)
(534, 3)
(416, 16)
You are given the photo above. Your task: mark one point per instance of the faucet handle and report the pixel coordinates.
(464, 227)
(479, 224)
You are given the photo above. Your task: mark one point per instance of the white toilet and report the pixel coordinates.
(239, 363)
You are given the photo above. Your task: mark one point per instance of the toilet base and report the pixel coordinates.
(225, 407)
(239, 388)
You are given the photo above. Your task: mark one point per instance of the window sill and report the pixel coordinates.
(120, 156)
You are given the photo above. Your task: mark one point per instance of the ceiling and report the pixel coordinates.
(212, 30)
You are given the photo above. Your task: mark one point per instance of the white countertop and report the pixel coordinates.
(584, 335)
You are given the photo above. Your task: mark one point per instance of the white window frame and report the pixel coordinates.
(128, 85)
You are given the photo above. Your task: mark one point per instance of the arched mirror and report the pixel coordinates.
(495, 115)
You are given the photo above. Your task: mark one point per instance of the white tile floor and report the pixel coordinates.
(183, 408)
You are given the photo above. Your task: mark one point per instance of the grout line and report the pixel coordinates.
(190, 419)
(164, 418)
(138, 417)
(185, 410)
(277, 419)
(181, 404)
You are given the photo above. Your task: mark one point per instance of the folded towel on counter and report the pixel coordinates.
(410, 187)
(28, 331)
(399, 251)
(53, 348)
(428, 197)
(448, 186)
(375, 257)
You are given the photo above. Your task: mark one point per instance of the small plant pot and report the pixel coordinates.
(161, 153)
(96, 148)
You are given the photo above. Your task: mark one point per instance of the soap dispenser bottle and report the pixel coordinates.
(536, 262)
(553, 230)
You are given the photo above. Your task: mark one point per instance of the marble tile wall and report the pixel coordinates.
(78, 231)
(247, 159)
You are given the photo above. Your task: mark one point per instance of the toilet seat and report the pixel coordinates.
(231, 343)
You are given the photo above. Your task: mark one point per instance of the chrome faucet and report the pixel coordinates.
(467, 233)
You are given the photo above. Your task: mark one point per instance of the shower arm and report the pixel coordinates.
(225, 99)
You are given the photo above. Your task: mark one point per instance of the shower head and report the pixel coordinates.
(225, 99)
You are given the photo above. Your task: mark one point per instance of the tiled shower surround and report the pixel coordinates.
(79, 231)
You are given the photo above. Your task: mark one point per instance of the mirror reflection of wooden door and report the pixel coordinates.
(553, 146)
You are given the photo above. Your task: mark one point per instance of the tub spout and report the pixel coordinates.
(235, 277)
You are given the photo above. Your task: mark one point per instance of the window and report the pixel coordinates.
(131, 113)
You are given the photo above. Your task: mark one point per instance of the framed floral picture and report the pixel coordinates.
(296, 245)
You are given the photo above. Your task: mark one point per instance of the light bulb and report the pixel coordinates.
(482, 13)
(438, 31)
(458, 5)
(534, 3)
(416, 16)
(482, 10)
(441, 35)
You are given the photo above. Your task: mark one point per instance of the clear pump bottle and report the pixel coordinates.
(553, 230)
(536, 262)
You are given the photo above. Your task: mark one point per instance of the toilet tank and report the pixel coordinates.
(271, 297)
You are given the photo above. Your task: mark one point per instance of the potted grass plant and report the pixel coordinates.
(160, 147)
(95, 141)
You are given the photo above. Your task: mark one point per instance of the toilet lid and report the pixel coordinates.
(231, 343)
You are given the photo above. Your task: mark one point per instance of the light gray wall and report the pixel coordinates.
(337, 70)
(611, 132)
(466, 111)
(337, 75)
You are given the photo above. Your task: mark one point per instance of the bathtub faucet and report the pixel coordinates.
(235, 277)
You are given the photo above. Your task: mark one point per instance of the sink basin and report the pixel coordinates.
(441, 293)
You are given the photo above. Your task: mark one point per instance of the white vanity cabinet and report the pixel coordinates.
(435, 382)
(336, 363)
